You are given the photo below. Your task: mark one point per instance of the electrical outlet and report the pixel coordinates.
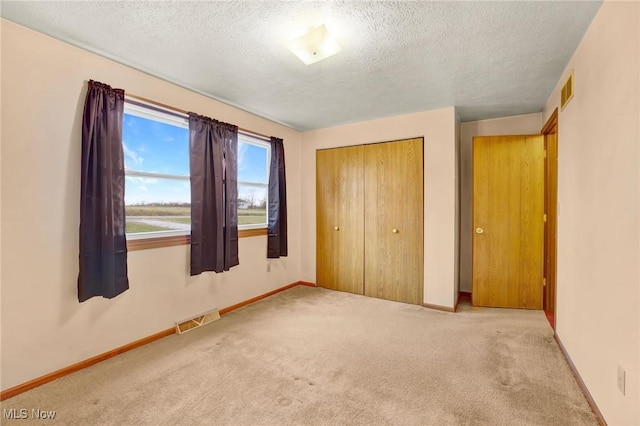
(621, 379)
(268, 267)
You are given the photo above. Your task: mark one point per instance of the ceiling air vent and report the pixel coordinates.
(197, 321)
(567, 91)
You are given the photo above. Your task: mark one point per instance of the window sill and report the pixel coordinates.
(243, 233)
(181, 240)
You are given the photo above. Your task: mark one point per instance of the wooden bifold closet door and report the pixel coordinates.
(394, 221)
(370, 220)
(340, 223)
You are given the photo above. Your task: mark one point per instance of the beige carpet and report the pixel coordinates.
(314, 356)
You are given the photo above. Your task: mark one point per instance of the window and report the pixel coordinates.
(253, 182)
(156, 160)
(157, 188)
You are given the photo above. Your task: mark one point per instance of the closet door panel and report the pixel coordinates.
(339, 219)
(393, 212)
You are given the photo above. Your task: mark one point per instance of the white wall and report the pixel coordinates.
(526, 124)
(438, 129)
(44, 328)
(598, 288)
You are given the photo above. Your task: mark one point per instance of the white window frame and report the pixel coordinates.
(251, 140)
(152, 112)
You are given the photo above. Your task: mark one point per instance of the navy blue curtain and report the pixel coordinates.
(277, 215)
(213, 158)
(103, 245)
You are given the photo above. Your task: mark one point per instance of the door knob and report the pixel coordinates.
(336, 228)
(479, 231)
(394, 230)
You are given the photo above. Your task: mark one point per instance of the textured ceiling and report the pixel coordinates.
(489, 59)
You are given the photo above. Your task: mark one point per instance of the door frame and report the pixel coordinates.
(551, 211)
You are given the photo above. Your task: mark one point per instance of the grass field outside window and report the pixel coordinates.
(153, 218)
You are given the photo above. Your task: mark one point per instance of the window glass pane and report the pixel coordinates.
(252, 163)
(155, 147)
(252, 205)
(153, 204)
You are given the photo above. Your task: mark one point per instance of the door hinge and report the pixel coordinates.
(544, 282)
(545, 217)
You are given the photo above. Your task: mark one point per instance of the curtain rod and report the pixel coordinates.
(181, 111)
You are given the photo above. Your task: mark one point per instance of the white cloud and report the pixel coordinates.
(242, 150)
(137, 159)
(145, 190)
(142, 180)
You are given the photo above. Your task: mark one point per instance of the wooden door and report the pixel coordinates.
(393, 215)
(340, 219)
(508, 221)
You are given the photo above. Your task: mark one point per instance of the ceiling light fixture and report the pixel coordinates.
(315, 46)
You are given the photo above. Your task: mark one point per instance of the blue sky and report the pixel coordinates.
(151, 146)
(252, 163)
(155, 147)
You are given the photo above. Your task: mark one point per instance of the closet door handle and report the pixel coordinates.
(395, 231)
(336, 228)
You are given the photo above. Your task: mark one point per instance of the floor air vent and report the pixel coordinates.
(197, 321)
